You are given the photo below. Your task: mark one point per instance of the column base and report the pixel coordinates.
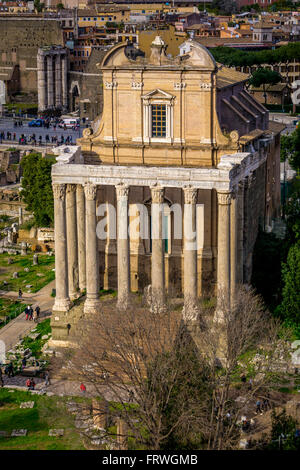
(92, 306)
(62, 305)
(190, 312)
(122, 303)
(155, 299)
(74, 295)
(218, 316)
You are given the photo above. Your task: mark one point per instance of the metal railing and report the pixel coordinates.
(14, 314)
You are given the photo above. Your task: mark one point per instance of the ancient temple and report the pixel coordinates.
(52, 71)
(169, 188)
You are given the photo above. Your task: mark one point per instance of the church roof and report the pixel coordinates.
(227, 76)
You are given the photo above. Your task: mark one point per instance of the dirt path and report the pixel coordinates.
(19, 327)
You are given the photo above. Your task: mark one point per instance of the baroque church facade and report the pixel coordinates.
(168, 189)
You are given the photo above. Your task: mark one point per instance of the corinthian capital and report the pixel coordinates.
(59, 191)
(190, 195)
(157, 194)
(224, 197)
(122, 190)
(90, 191)
(71, 188)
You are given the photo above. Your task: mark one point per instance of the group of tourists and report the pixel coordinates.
(31, 314)
(18, 123)
(30, 384)
(33, 140)
(262, 406)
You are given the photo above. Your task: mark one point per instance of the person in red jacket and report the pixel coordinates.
(83, 388)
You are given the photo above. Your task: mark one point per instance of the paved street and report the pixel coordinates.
(7, 125)
(19, 327)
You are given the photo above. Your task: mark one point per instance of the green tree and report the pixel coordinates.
(292, 212)
(37, 189)
(263, 77)
(286, 147)
(290, 149)
(294, 159)
(268, 256)
(283, 433)
(38, 6)
(225, 7)
(289, 309)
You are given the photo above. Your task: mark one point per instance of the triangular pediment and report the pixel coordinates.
(160, 94)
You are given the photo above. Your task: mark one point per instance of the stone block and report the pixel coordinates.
(56, 432)
(27, 404)
(19, 433)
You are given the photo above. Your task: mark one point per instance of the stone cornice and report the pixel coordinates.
(231, 170)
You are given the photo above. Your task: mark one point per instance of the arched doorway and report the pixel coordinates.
(75, 93)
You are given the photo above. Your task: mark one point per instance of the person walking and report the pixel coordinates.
(35, 316)
(258, 407)
(83, 388)
(30, 313)
(250, 384)
(265, 404)
(24, 362)
(37, 309)
(20, 293)
(47, 379)
(32, 384)
(28, 384)
(1, 378)
(10, 370)
(27, 312)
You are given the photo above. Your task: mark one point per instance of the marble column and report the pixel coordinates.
(190, 254)
(62, 301)
(72, 241)
(233, 246)
(64, 71)
(58, 101)
(158, 252)
(42, 81)
(240, 249)
(223, 265)
(246, 228)
(80, 215)
(92, 302)
(123, 257)
(50, 84)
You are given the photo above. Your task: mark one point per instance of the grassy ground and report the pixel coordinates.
(47, 413)
(45, 266)
(36, 345)
(24, 107)
(8, 307)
